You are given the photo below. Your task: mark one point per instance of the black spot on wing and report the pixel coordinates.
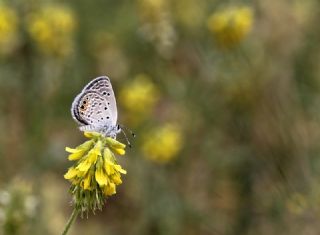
(76, 114)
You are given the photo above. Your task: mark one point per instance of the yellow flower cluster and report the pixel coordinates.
(139, 97)
(52, 29)
(163, 144)
(96, 172)
(8, 29)
(231, 25)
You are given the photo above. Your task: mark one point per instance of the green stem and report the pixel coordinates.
(72, 218)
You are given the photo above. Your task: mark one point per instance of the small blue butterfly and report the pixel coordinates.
(95, 108)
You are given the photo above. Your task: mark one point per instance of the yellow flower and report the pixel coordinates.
(78, 152)
(72, 173)
(8, 29)
(100, 175)
(52, 29)
(230, 26)
(96, 173)
(87, 182)
(116, 146)
(163, 144)
(139, 97)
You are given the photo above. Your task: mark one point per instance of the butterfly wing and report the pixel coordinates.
(102, 86)
(91, 108)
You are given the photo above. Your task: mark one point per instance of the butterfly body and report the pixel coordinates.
(95, 108)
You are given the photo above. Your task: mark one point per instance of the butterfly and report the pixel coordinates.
(95, 108)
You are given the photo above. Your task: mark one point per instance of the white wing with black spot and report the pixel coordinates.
(103, 86)
(95, 107)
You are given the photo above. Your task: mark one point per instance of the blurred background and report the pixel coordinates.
(224, 97)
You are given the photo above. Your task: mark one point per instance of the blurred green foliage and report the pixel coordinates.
(223, 97)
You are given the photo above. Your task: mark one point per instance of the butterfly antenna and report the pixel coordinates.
(125, 136)
(127, 129)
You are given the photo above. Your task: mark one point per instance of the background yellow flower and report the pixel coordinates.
(52, 30)
(8, 29)
(162, 144)
(139, 98)
(230, 26)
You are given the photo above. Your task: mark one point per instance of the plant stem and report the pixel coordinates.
(72, 218)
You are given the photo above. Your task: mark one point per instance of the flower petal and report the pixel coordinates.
(116, 178)
(108, 166)
(86, 145)
(71, 150)
(76, 156)
(87, 182)
(91, 134)
(110, 189)
(96, 150)
(101, 177)
(84, 166)
(120, 169)
(119, 151)
(72, 172)
(107, 154)
(114, 143)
